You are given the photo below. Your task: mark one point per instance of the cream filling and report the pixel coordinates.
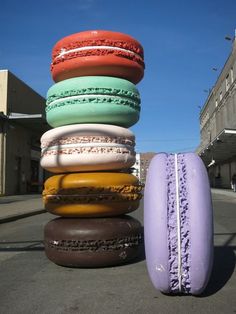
(178, 222)
(64, 146)
(89, 96)
(84, 195)
(65, 52)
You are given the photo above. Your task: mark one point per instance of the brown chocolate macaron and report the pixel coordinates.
(96, 242)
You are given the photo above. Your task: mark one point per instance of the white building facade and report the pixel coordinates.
(218, 126)
(136, 167)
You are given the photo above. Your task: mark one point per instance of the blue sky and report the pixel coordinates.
(182, 40)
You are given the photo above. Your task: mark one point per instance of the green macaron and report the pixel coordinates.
(93, 99)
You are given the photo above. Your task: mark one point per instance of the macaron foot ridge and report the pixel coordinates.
(178, 224)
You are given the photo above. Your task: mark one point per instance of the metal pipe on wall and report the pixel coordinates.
(3, 156)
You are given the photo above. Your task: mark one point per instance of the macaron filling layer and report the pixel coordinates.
(126, 45)
(87, 144)
(96, 245)
(94, 194)
(86, 139)
(64, 52)
(98, 48)
(88, 150)
(78, 97)
(98, 52)
(178, 224)
(92, 91)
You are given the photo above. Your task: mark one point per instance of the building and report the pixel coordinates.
(145, 159)
(136, 167)
(140, 168)
(218, 126)
(21, 126)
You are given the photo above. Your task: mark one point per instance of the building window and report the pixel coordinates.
(220, 96)
(227, 83)
(209, 135)
(216, 102)
(232, 75)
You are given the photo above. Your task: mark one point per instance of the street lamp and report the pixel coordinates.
(231, 38)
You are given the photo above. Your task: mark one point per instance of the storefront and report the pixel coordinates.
(220, 158)
(22, 123)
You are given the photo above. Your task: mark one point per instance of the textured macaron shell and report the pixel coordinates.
(201, 223)
(92, 194)
(98, 52)
(90, 179)
(87, 147)
(156, 221)
(93, 99)
(93, 242)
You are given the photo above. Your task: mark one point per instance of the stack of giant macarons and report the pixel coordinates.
(90, 150)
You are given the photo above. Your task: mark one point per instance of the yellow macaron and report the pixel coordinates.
(92, 194)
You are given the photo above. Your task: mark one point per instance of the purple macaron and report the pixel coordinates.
(178, 224)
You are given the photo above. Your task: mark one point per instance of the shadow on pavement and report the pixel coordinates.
(21, 246)
(18, 198)
(223, 268)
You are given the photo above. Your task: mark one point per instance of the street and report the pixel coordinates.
(30, 283)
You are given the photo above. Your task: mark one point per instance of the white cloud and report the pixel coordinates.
(84, 5)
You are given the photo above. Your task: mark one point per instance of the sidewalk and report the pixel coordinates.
(19, 206)
(226, 192)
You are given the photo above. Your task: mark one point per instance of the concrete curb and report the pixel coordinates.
(22, 215)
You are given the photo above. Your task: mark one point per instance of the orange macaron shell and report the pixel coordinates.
(91, 53)
(93, 194)
(91, 210)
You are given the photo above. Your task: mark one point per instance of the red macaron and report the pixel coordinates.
(98, 52)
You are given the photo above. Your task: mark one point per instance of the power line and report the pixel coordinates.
(167, 140)
(177, 150)
(182, 149)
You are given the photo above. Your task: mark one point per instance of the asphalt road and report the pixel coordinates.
(30, 283)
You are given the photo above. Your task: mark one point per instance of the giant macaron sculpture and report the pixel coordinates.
(89, 150)
(93, 99)
(178, 224)
(87, 147)
(98, 52)
(92, 194)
